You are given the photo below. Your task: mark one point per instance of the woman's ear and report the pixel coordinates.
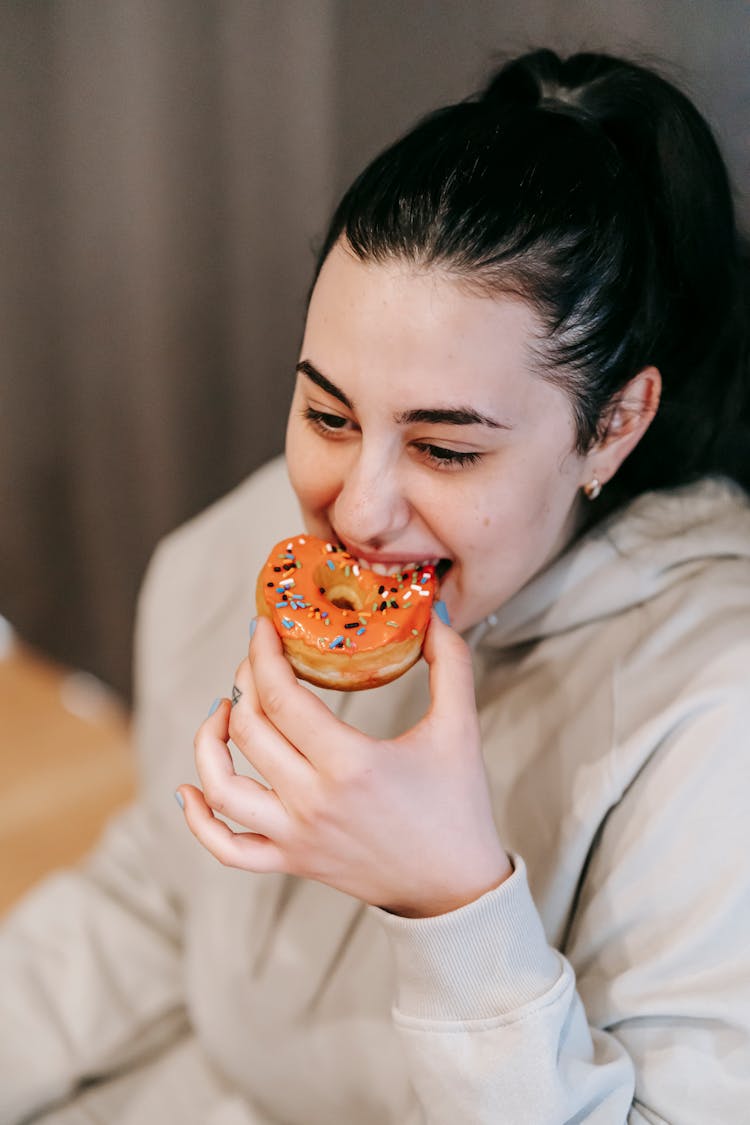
(630, 414)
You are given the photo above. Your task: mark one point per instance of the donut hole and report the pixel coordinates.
(344, 602)
(339, 589)
(343, 596)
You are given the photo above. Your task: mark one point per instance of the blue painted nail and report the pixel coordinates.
(214, 705)
(253, 625)
(179, 799)
(441, 609)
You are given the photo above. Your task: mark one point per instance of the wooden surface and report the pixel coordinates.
(65, 764)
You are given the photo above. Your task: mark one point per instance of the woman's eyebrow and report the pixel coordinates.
(306, 368)
(452, 416)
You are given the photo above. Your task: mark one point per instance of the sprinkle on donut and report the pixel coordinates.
(342, 625)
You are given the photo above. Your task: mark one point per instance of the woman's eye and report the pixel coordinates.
(437, 456)
(442, 458)
(323, 422)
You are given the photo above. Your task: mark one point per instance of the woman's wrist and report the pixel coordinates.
(445, 899)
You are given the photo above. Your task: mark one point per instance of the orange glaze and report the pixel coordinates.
(341, 625)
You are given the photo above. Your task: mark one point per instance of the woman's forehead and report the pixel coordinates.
(416, 314)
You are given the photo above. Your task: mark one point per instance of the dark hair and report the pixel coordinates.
(593, 188)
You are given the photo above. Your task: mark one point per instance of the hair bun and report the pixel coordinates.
(534, 79)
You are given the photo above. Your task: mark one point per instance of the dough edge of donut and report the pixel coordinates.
(356, 671)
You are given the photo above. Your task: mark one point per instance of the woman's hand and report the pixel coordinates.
(405, 824)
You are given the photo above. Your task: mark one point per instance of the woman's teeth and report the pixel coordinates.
(387, 570)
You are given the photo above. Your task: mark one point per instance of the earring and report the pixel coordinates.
(592, 489)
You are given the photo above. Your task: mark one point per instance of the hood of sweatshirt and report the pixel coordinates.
(655, 542)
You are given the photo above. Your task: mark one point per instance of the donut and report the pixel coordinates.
(343, 626)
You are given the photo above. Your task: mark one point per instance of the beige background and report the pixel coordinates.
(166, 168)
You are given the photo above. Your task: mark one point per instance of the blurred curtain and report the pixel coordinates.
(165, 166)
(165, 169)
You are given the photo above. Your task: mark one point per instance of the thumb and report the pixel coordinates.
(451, 672)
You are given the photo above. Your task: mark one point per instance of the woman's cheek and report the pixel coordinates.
(302, 482)
(314, 476)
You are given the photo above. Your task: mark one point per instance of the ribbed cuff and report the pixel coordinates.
(483, 960)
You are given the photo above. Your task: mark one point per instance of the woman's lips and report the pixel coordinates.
(389, 568)
(388, 565)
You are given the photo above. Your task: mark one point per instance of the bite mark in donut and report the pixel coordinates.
(343, 626)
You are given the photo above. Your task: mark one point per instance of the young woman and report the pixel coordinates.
(512, 886)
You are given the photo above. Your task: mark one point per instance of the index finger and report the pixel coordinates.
(293, 709)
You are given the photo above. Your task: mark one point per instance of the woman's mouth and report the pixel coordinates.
(386, 566)
(389, 569)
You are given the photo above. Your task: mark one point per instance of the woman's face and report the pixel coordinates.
(419, 431)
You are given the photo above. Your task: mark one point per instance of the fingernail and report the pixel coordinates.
(253, 625)
(441, 609)
(179, 799)
(213, 707)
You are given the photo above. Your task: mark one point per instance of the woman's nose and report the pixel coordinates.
(371, 508)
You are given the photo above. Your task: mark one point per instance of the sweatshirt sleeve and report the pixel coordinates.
(490, 1019)
(91, 973)
(647, 1016)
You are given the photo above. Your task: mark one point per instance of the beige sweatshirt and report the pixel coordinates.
(608, 980)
